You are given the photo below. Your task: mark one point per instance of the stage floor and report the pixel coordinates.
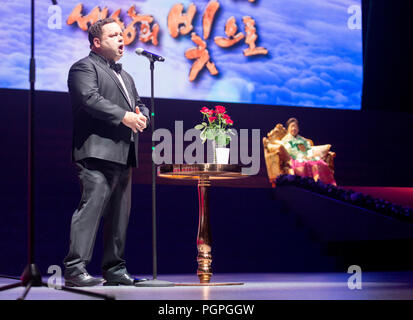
(260, 286)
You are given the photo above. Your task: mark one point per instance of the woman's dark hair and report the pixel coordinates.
(95, 30)
(291, 120)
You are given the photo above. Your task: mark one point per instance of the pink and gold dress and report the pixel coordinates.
(303, 163)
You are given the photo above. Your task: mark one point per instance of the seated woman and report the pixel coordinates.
(303, 162)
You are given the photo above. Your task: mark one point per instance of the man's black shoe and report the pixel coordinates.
(124, 279)
(82, 280)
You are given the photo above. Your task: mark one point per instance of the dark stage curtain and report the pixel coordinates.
(387, 54)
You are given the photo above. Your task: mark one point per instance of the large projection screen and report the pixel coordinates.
(273, 52)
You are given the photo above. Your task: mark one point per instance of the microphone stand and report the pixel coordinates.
(31, 276)
(154, 282)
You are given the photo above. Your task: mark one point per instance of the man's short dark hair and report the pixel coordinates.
(291, 120)
(95, 30)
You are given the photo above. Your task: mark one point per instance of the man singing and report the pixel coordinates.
(107, 115)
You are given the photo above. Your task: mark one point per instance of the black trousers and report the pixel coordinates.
(106, 193)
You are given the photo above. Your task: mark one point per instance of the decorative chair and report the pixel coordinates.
(277, 159)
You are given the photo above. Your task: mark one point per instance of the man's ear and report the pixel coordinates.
(96, 42)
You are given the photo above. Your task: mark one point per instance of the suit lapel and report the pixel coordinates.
(115, 78)
(128, 88)
(104, 65)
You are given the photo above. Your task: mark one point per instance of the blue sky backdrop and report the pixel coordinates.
(314, 59)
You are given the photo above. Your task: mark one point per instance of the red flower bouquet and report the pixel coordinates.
(216, 126)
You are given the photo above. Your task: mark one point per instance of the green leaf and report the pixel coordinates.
(210, 134)
(199, 126)
(222, 140)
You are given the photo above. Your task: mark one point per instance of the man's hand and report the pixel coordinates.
(141, 117)
(135, 121)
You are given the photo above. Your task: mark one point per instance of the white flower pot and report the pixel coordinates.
(222, 155)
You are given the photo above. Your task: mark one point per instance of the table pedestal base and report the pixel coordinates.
(204, 260)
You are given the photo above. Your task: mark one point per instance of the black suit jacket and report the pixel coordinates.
(99, 104)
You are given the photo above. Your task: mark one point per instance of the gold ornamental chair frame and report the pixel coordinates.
(277, 159)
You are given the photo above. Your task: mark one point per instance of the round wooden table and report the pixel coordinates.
(204, 173)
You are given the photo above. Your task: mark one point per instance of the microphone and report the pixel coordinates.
(149, 55)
